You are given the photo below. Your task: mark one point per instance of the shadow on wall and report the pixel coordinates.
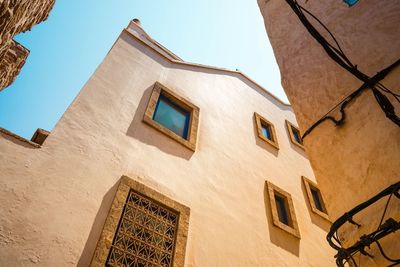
(97, 227)
(315, 218)
(278, 236)
(150, 136)
(263, 144)
(294, 147)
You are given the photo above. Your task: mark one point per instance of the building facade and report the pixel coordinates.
(16, 17)
(166, 163)
(359, 157)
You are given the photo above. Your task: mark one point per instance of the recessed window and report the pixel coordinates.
(266, 130)
(172, 115)
(143, 228)
(145, 234)
(315, 198)
(282, 209)
(294, 134)
(316, 194)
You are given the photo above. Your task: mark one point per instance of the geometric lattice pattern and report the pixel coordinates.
(146, 234)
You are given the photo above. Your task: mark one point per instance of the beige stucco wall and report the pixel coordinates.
(355, 161)
(55, 199)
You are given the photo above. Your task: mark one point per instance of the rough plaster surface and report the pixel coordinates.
(359, 159)
(55, 199)
(17, 16)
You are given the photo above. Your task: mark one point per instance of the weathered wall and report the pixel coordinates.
(355, 161)
(17, 16)
(56, 197)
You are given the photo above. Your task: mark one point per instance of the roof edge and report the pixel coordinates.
(179, 61)
(18, 138)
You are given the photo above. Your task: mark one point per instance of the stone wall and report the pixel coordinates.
(355, 161)
(15, 17)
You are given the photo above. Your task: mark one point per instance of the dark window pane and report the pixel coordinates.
(317, 199)
(266, 131)
(282, 210)
(172, 116)
(296, 135)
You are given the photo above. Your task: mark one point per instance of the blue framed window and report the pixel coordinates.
(351, 2)
(281, 207)
(172, 116)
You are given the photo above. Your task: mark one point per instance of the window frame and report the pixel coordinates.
(308, 184)
(260, 120)
(114, 215)
(290, 127)
(161, 90)
(273, 190)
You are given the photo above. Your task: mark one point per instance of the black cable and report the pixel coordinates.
(340, 58)
(342, 54)
(384, 211)
(386, 106)
(390, 226)
(337, 57)
(397, 261)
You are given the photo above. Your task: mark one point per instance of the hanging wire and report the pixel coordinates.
(345, 255)
(336, 53)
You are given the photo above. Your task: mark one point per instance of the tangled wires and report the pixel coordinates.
(384, 228)
(336, 53)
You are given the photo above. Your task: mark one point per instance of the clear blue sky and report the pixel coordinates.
(67, 48)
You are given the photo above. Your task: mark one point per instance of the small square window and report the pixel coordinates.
(294, 134)
(172, 115)
(266, 130)
(282, 209)
(315, 198)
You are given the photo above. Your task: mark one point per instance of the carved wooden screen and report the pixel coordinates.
(145, 235)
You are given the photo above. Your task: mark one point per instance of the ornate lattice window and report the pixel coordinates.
(315, 198)
(294, 134)
(172, 115)
(150, 230)
(145, 235)
(266, 130)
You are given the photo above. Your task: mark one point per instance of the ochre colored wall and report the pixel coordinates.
(355, 161)
(55, 198)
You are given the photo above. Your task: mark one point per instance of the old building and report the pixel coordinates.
(359, 156)
(161, 162)
(17, 17)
